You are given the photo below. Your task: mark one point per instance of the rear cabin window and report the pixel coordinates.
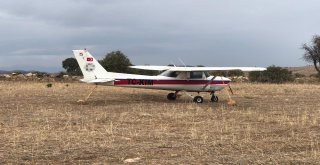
(195, 75)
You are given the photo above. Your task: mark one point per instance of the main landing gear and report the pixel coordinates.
(196, 99)
(172, 96)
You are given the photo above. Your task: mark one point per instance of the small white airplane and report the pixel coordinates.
(177, 79)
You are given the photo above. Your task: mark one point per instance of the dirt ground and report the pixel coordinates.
(271, 124)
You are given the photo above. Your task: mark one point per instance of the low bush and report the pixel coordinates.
(231, 73)
(273, 74)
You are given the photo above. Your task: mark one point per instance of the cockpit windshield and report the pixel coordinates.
(207, 74)
(169, 73)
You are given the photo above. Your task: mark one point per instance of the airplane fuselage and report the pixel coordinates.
(187, 79)
(205, 84)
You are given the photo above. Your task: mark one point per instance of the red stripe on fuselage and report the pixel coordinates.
(167, 82)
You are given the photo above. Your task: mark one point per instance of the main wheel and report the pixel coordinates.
(198, 99)
(214, 98)
(171, 96)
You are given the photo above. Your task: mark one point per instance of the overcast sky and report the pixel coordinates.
(40, 34)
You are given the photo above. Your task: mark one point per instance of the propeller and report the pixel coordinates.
(231, 102)
(230, 89)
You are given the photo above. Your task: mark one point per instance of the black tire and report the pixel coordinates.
(198, 99)
(214, 98)
(171, 96)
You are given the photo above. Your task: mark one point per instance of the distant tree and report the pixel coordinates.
(273, 74)
(41, 74)
(116, 61)
(312, 52)
(233, 73)
(71, 66)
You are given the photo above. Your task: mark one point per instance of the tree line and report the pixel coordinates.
(116, 61)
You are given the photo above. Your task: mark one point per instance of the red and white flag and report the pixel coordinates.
(89, 59)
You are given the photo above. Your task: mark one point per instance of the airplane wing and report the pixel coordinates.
(246, 69)
(188, 69)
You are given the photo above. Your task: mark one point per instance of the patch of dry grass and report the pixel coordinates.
(270, 124)
(305, 70)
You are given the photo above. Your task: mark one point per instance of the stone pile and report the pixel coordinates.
(37, 77)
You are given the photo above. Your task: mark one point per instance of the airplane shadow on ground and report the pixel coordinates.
(131, 99)
(150, 98)
(128, 99)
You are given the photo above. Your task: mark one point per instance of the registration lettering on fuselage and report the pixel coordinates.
(140, 82)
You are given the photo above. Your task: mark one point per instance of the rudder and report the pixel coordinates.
(90, 67)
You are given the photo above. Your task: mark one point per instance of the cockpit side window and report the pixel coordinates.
(196, 75)
(173, 74)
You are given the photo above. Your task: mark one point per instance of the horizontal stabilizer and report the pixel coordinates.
(97, 81)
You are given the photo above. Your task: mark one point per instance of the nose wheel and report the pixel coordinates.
(214, 98)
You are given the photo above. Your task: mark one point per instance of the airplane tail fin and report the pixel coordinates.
(90, 67)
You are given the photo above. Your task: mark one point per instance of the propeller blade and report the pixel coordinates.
(230, 89)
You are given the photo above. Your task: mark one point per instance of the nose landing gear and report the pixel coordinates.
(214, 98)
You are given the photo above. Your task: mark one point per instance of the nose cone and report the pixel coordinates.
(225, 80)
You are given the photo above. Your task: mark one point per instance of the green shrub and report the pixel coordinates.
(273, 74)
(49, 85)
(316, 75)
(298, 75)
(230, 73)
(234, 73)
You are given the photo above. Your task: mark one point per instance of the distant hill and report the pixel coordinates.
(4, 72)
(305, 70)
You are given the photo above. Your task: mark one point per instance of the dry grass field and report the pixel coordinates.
(271, 124)
(305, 70)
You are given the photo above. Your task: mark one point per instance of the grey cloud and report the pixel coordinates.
(209, 32)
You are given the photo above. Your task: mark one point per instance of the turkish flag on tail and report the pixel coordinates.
(90, 59)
